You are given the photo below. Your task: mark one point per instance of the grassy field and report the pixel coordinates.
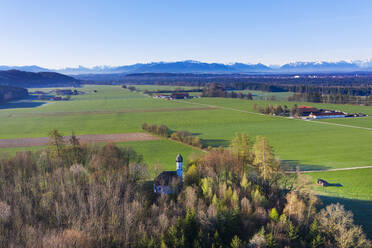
(358, 122)
(144, 88)
(115, 110)
(161, 153)
(355, 193)
(262, 95)
(247, 105)
(162, 87)
(356, 184)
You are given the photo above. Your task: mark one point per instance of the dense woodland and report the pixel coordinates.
(358, 94)
(326, 88)
(73, 195)
(238, 80)
(219, 90)
(10, 93)
(332, 98)
(39, 79)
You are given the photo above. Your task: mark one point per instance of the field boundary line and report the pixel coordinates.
(227, 108)
(342, 125)
(104, 112)
(176, 141)
(288, 118)
(336, 169)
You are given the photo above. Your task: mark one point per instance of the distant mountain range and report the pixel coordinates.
(32, 79)
(31, 68)
(190, 66)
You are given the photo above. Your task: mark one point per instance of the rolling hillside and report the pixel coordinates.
(39, 79)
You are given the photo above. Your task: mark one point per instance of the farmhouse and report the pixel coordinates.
(176, 96)
(327, 115)
(56, 98)
(43, 97)
(306, 110)
(64, 92)
(162, 96)
(169, 181)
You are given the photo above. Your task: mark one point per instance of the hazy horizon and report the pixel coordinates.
(117, 33)
(184, 60)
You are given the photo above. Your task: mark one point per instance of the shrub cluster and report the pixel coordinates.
(131, 88)
(187, 138)
(161, 130)
(180, 136)
(273, 109)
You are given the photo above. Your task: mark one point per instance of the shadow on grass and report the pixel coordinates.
(21, 104)
(333, 185)
(216, 142)
(362, 210)
(196, 134)
(293, 164)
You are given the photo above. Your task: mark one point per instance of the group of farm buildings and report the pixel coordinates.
(308, 112)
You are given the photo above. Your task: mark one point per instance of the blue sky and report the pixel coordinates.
(58, 33)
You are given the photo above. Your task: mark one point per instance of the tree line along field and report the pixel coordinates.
(263, 95)
(112, 109)
(158, 155)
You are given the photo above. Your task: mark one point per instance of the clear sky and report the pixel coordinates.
(60, 33)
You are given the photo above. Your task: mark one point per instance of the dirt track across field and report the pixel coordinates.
(110, 112)
(88, 138)
(336, 169)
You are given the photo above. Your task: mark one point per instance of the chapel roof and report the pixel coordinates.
(166, 178)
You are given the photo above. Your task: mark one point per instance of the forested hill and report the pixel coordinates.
(9, 93)
(31, 79)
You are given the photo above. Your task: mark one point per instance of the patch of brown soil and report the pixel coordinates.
(113, 112)
(88, 138)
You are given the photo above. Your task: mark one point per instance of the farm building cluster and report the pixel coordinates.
(173, 96)
(56, 95)
(308, 112)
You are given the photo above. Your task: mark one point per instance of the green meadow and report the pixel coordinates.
(353, 184)
(355, 192)
(357, 122)
(310, 145)
(162, 87)
(161, 155)
(262, 95)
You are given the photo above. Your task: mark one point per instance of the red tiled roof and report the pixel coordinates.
(305, 107)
